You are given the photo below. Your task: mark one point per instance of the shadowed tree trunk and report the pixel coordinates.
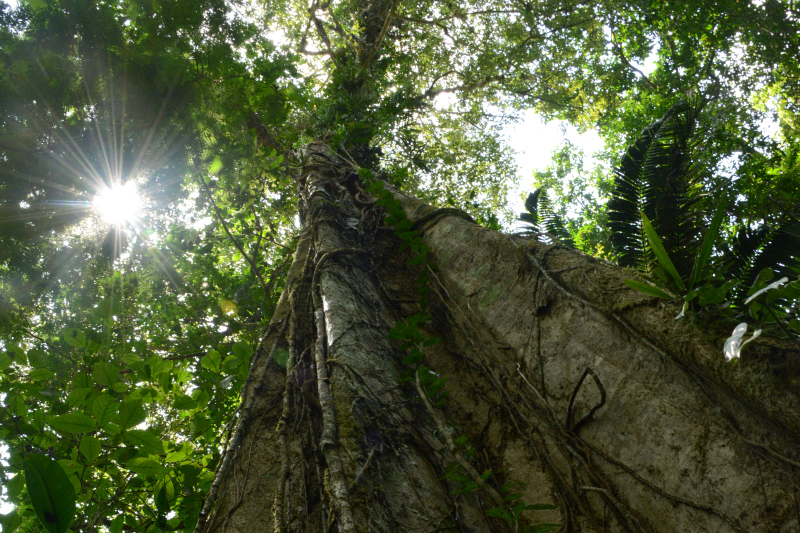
(338, 434)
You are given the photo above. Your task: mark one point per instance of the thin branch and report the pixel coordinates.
(621, 55)
(40, 339)
(381, 36)
(217, 212)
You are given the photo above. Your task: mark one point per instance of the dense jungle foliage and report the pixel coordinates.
(123, 347)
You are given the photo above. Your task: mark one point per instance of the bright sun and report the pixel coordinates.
(119, 204)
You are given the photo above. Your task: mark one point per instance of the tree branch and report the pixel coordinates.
(381, 36)
(247, 258)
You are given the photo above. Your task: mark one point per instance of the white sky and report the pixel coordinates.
(534, 142)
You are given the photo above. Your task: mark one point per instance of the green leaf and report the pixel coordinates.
(116, 524)
(708, 243)
(145, 466)
(104, 409)
(74, 337)
(142, 438)
(131, 413)
(211, 360)
(162, 499)
(41, 374)
(11, 521)
(38, 359)
(230, 364)
(281, 357)
(180, 453)
(540, 507)
(661, 253)
(5, 361)
(242, 350)
(51, 492)
(648, 289)
(183, 402)
(430, 341)
(105, 374)
(90, 447)
(499, 512)
(215, 166)
(77, 397)
(72, 423)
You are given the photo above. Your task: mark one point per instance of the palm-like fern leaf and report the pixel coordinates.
(658, 177)
(542, 222)
(776, 247)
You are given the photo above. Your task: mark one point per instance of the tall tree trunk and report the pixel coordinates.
(337, 433)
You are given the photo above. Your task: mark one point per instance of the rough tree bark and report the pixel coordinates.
(532, 336)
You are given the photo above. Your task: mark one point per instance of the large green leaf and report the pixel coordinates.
(10, 522)
(72, 423)
(104, 409)
(90, 447)
(211, 361)
(5, 361)
(105, 374)
(131, 413)
(116, 524)
(51, 492)
(242, 350)
(146, 466)
(661, 253)
(74, 337)
(648, 289)
(142, 438)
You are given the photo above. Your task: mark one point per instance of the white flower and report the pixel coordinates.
(683, 310)
(733, 344)
(769, 287)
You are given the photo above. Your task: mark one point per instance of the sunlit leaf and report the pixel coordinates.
(648, 289)
(105, 374)
(146, 466)
(74, 337)
(661, 253)
(211, 360)
(90, 447)
(144, 439)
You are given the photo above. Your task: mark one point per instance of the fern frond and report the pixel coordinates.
(769, 246)
(658, 177)
(542, 222)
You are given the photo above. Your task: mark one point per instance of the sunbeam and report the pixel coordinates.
(118, 204)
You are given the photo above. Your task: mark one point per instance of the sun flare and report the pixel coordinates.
(119, 204)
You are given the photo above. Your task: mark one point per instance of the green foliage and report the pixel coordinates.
(516, 506)
(658, 180)
(542, 221)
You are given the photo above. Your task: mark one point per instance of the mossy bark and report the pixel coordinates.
(683, 441)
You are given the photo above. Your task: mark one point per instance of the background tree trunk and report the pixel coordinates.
(533, 338)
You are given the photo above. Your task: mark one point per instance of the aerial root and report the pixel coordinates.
(328, 439)
(279, 508)
(451, 445)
